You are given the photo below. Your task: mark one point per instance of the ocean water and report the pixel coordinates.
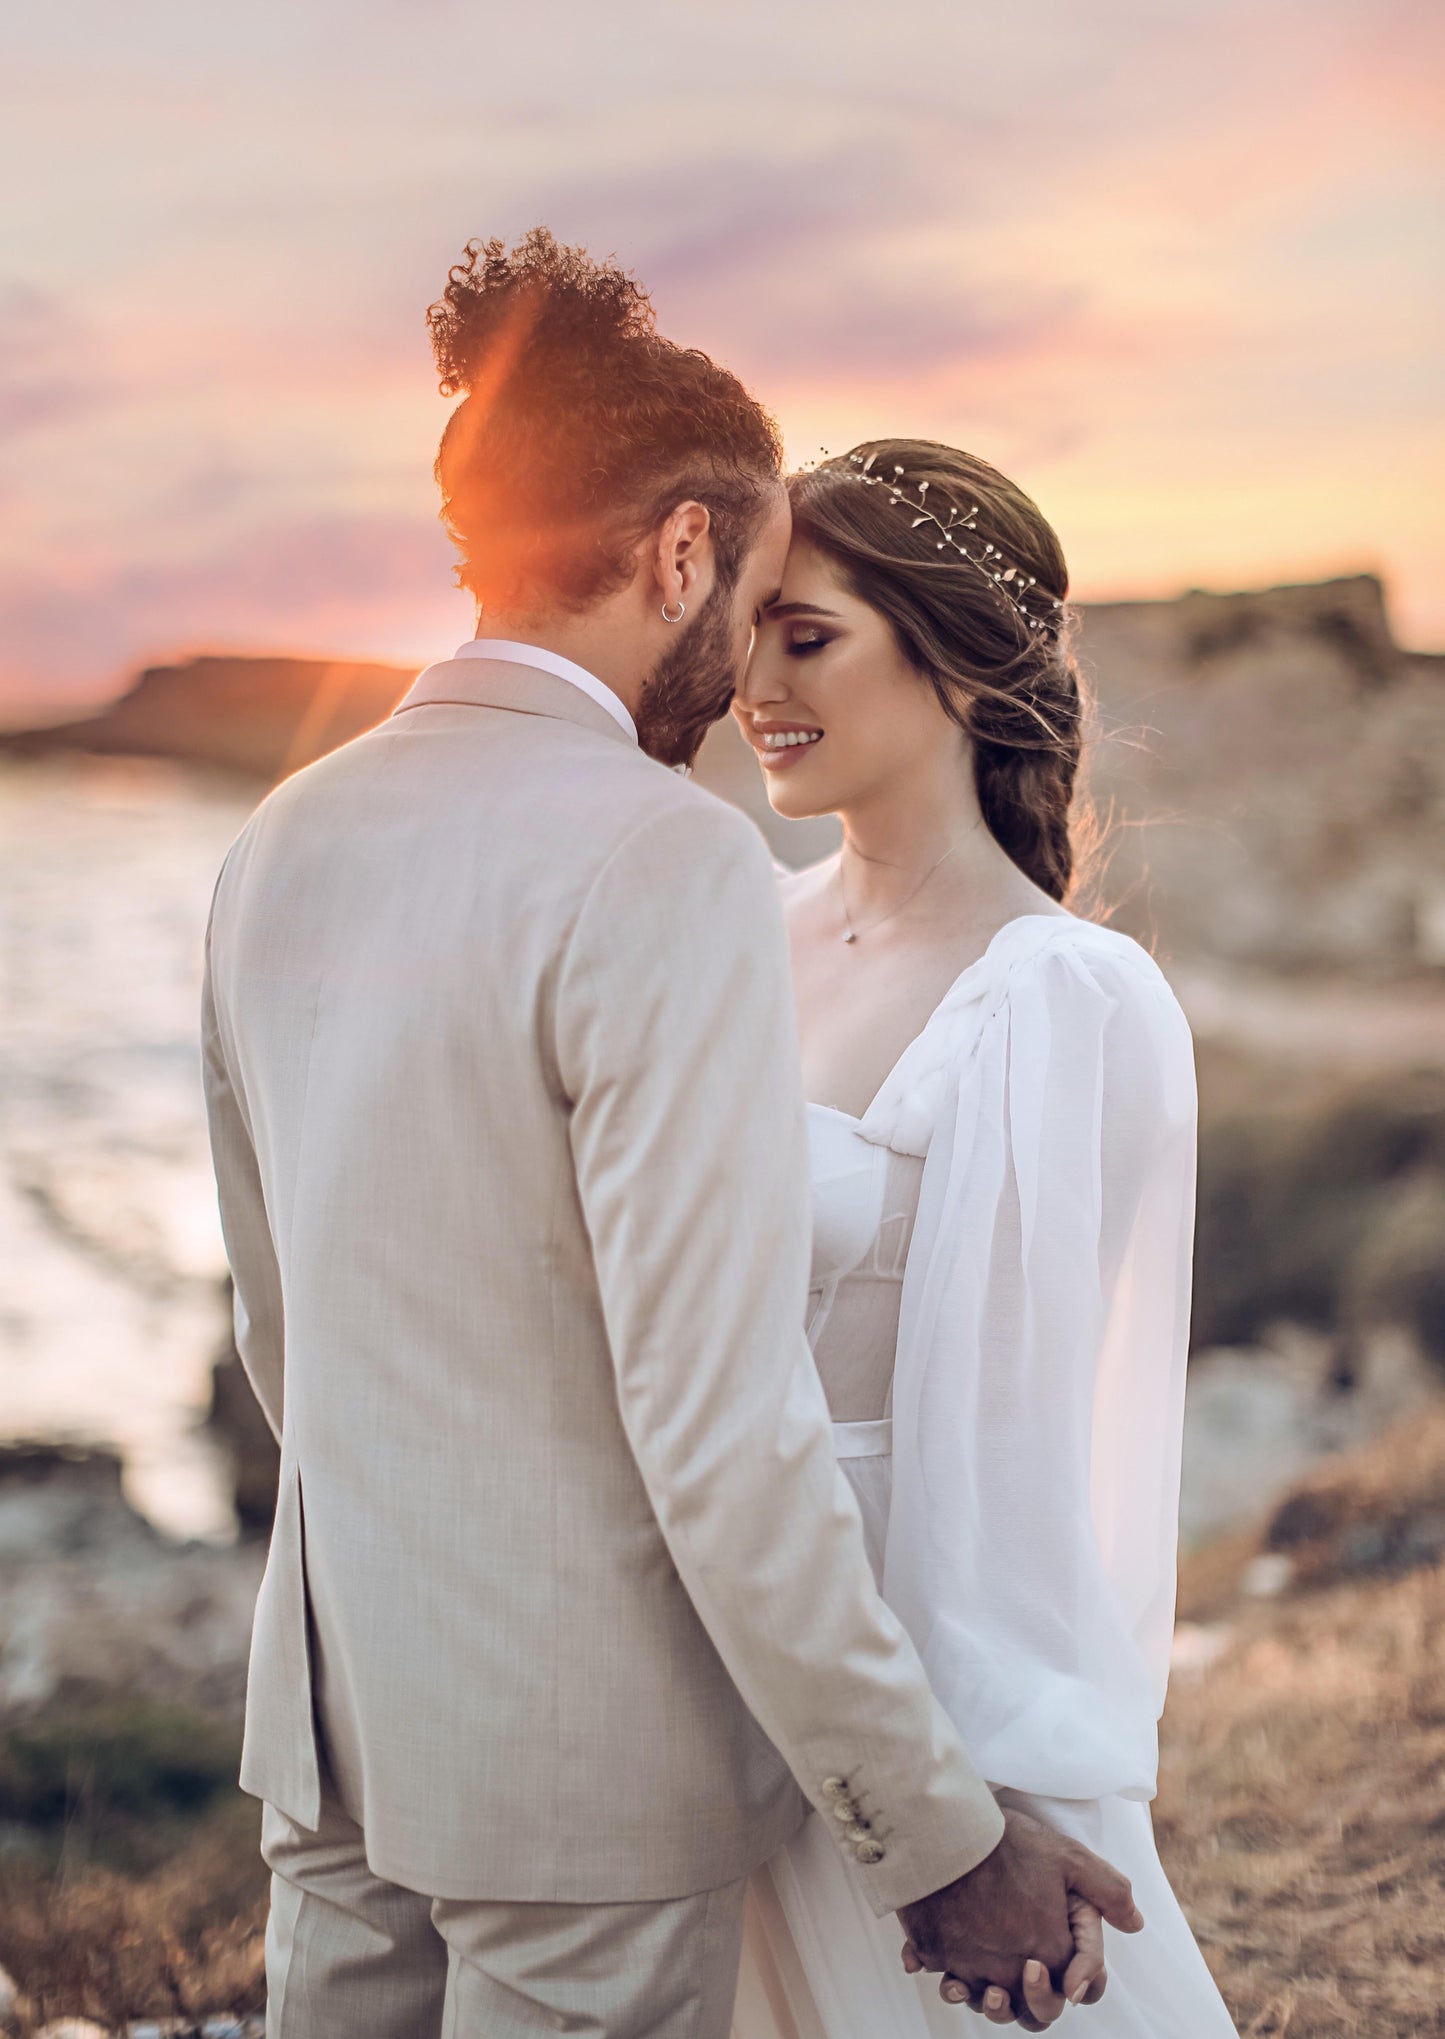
(111, 1260)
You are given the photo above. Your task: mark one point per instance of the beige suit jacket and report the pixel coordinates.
(507, 1123)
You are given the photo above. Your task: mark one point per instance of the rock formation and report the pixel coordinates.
(235, 1416)
(1270, 768)
(1276, 771)
(262, 716)
(94, 1601)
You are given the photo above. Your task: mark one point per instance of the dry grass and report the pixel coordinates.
(1302, 1802)
(187, 1939)
(1301, 1814)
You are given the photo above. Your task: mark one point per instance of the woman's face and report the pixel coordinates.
(829, 703)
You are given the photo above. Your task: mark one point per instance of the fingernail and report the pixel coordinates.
(1034, 1971)
(1080, 1993)
(955, 1992)
(994, 2000)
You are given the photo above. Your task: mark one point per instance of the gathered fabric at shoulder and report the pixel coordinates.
(910, 1103)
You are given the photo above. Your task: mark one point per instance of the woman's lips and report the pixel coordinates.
(785, 748)
(785, 760)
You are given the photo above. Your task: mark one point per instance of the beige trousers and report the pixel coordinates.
(350, 1956)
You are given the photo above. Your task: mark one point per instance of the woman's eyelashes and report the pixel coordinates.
(801, 642)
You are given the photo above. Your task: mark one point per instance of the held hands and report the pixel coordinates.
(1084, 1979)
(1021, 1935)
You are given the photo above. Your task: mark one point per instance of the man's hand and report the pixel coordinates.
(1085, 1978)
(1032, 1904)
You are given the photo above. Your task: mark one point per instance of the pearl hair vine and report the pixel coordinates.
(1011, 582)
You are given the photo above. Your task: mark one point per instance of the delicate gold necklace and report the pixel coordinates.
(850, 933)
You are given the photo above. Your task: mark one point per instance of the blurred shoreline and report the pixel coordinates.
(112, 1308)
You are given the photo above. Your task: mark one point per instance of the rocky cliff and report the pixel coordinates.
(1275, 768)
(1269, 767)
(262, 716)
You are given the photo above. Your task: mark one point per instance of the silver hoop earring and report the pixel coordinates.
(681, 612)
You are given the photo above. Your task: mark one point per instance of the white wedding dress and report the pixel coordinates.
(1000, 1313)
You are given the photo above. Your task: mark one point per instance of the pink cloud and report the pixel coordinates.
(1149, 250)
(356, 586)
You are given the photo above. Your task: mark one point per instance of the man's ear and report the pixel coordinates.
(683, 560)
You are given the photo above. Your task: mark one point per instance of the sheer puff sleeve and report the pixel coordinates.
(1038, 1397)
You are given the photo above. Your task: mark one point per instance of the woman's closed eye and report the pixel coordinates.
(805, 638)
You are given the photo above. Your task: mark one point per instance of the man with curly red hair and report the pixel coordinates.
(567, 1617)
(582, 436)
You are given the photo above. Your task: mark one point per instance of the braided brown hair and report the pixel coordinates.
(1015, 691)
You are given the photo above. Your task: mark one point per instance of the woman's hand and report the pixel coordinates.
(1084, 1980)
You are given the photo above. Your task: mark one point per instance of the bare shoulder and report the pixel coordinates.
(804, 892)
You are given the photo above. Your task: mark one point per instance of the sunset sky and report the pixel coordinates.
(1176, 266)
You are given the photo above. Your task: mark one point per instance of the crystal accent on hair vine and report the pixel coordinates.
(1011, 582)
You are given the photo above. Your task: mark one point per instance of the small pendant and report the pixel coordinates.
(850, 936)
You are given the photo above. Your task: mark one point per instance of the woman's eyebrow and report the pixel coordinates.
(775, 611)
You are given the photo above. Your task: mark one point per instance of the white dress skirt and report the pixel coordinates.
(1000, 1318)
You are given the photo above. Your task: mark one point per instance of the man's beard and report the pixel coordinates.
(691, 685)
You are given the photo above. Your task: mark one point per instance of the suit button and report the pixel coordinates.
(845, 1810)
(834, 1787)
(859, 1831)
(869, 1852)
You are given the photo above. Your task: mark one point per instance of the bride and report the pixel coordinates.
(1002, 1126)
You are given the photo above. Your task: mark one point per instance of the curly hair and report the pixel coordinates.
(1016, 693)
(580, 427)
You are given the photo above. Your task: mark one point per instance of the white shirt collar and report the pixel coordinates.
(551, 662)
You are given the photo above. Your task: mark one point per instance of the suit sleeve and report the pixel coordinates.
(676, 1042)
(260, 1337)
